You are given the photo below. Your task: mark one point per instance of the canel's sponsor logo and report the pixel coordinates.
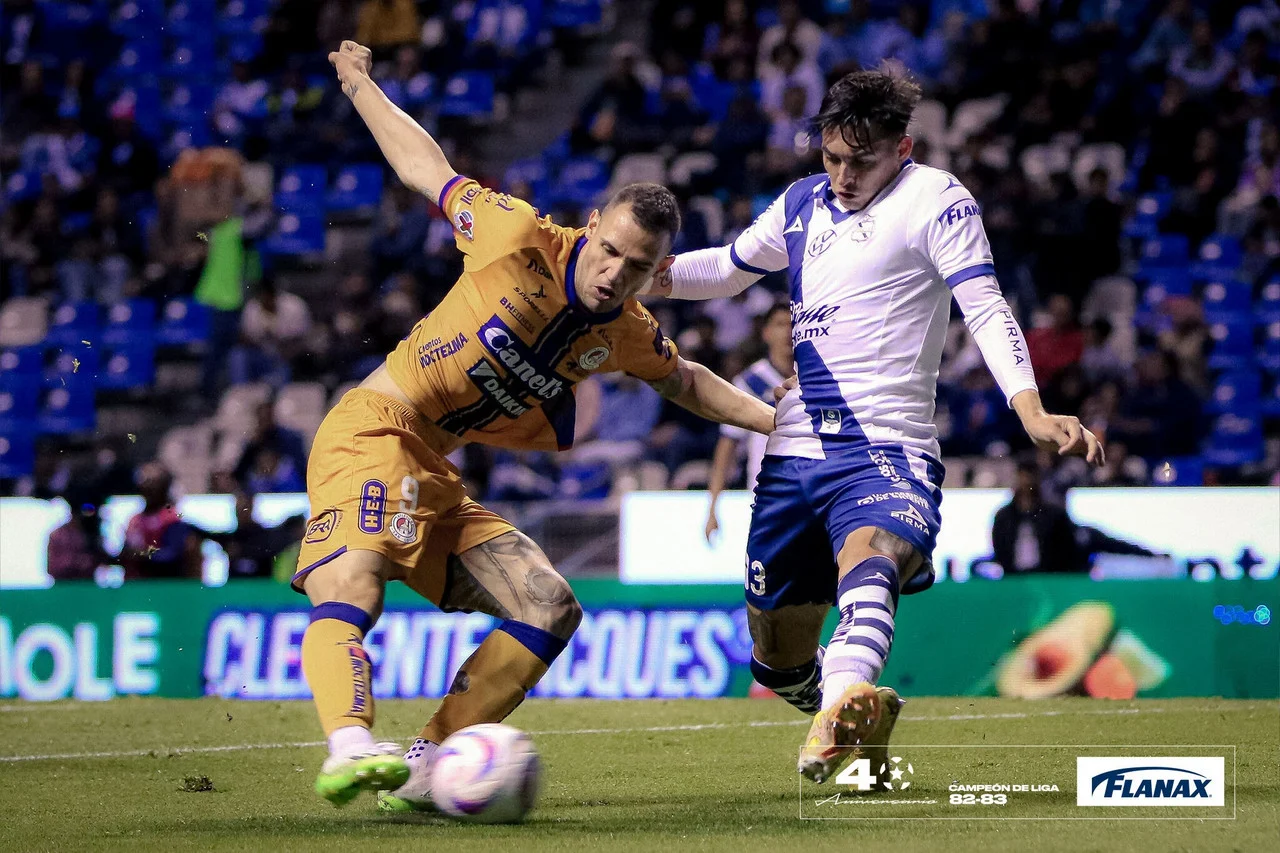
(519, 361)
(1150, 781)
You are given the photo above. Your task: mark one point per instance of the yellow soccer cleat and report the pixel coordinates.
(849, 722)
(876, 749)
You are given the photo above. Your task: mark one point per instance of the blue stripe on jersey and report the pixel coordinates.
(743, 265)
(970, 272)
(798, 205)
(820, 394)
(758, 385)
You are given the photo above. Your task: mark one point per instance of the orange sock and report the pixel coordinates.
(494, 680)
(337, 667)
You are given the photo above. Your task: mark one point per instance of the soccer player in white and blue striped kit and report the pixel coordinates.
(846, 506)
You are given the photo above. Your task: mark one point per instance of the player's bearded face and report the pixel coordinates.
(858, 173)
(619, 258)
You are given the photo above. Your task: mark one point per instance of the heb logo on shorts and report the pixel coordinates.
(373, 501)
(1159, 781)
(322, 527)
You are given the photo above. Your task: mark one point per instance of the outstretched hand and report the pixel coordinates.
(353, 62)
(1066, 435)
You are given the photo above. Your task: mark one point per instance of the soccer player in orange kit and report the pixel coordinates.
(538, 308)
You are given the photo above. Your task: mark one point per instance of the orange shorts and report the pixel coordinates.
(377, 483)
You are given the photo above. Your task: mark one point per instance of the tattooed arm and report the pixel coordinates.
(412, 153)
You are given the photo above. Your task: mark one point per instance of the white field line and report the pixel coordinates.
(693, 727)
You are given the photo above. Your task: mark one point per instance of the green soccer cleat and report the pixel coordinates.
(379, 768)
(412, 796)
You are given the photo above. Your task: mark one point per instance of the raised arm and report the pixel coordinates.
(694, 387)
(416, 158)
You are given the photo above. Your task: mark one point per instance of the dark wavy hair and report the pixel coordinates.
(867, 106)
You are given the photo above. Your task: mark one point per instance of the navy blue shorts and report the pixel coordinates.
(805, 508)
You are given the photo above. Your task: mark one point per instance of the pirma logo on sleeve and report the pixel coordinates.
(1150, 781)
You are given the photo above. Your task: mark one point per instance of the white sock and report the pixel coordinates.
(349, 740)
(420, 755)
(835, 684)
(867, 597)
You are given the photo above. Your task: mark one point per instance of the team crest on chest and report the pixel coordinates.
(863, 229)
(593, 358)
(822, 243)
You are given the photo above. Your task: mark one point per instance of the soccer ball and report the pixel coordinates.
(486, 774)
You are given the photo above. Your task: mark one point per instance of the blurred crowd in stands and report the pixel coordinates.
(201, 247)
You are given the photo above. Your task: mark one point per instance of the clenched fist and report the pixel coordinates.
(353, 62)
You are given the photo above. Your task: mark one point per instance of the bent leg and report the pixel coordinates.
(785, 653)
(873, 566)
(511, 578)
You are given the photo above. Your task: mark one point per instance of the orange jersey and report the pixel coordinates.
(496, 362)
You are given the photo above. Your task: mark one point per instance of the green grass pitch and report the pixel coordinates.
(686, 775)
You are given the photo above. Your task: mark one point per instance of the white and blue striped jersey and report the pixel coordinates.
(758, 379)
(870, 298)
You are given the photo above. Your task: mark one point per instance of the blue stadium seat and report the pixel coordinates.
(129, 366)
(184, 322)
(1235, 440)
(138, 59)
(131, 321)
(22, 186)
(1270, 404)
(192, 18)
(21, 362)
(297, 234)
(64, 411)
(189, 104)
(1163, 283)
(1267, 306)
(301, 189)
(1227, 295)
(244, 17)
(1232, 336)
(72, 364)
(17, 454)
(1165, 250)
(73, 322)
(19, 399)
(1148, 212)
(356, 189)
(136, 19)
(573, 14)
(1269, 354)
(1219, 258)
(468, 94)
(581, 181)
(1237, 393)
(1178, 471)
(532, 171)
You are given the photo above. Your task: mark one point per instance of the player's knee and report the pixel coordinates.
(787, 637)
(552, 604)
(358, 581)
